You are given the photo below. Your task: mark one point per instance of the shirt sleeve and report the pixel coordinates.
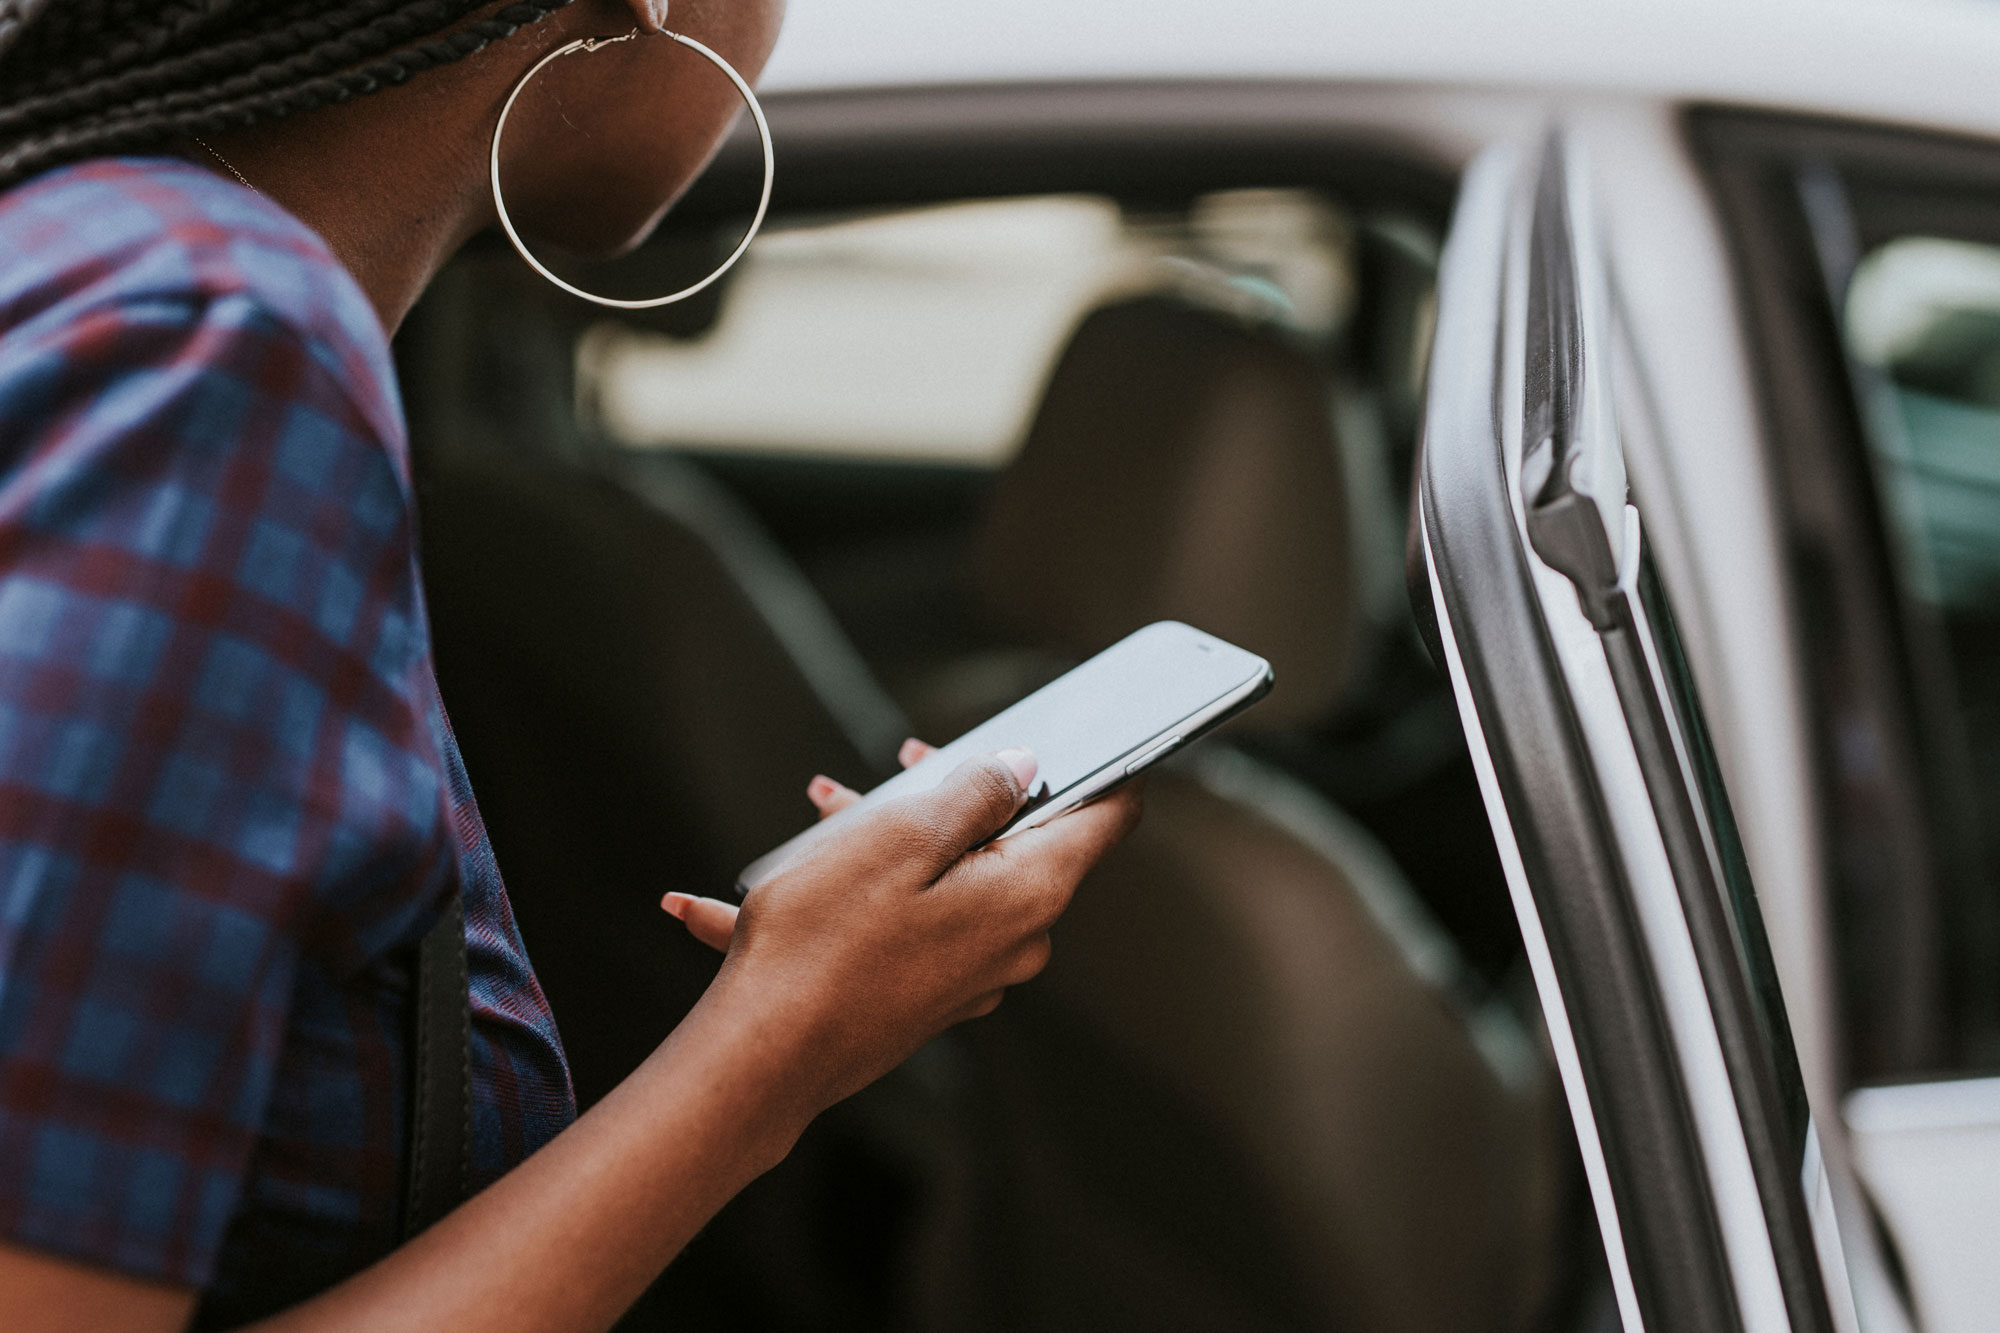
(214, 756)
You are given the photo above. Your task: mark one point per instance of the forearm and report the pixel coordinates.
(836, 971)
(569, 1239)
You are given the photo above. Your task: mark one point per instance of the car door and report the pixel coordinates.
(1604, 795)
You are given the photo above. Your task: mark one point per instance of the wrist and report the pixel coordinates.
(748, 1057)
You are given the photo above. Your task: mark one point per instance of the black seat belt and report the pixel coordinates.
(440, 1045)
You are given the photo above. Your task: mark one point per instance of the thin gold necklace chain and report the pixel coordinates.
(227, 165)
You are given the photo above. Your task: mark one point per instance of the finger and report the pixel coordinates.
(708, 920)
(830, 797)
(1049, 861)
(1074, 843)
(914, 752)
(968, 807)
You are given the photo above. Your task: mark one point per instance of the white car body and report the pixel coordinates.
(1452, 78)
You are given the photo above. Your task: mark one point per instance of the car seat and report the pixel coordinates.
(1249, 1093)
(641, 683)
(1255, 1088)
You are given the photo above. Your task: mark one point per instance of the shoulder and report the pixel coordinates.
(158, 238)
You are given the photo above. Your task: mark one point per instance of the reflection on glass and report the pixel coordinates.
(1922, 322)
(1925, 313)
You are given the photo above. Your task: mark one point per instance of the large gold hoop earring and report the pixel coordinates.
(588, 44)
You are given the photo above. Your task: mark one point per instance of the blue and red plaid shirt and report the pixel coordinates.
(228, 794)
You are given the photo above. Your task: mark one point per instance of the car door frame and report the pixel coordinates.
(1802, 200)
(1532, 565)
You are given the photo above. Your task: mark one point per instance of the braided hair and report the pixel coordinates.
(82, 78)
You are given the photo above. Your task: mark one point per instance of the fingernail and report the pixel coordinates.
(1023, 765)
(912, 750)
(676, 905)
(820, 788)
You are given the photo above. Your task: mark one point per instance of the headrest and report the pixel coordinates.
(1182, 466)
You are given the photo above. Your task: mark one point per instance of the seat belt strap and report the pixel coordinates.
(435, 1164)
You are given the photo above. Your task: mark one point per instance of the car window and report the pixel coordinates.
(926, 334)
(1924, 314)
(1922, 326)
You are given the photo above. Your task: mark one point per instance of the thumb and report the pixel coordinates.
(976, 802)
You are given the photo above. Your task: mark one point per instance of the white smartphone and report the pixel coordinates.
(1107, 721)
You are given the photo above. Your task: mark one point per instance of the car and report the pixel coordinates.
(1591, 410)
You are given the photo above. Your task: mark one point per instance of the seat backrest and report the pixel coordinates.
(1255, 1087)
(641, 685)
(1181, 464)
(1237, 1088)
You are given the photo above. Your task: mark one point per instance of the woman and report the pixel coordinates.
(229, 802)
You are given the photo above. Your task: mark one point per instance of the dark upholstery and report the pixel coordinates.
(615, 659)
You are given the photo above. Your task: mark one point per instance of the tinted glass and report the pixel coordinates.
(1922, 326)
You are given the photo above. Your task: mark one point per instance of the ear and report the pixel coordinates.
(650, 15)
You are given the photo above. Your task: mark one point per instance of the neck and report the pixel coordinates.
(393, 206)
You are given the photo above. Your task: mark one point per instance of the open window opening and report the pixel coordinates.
(921, 453)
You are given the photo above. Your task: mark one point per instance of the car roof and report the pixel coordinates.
(1930, 63)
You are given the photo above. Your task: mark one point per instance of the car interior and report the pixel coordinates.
(961, 419)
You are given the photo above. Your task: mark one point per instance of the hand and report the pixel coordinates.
(712, 921)
(891, 930)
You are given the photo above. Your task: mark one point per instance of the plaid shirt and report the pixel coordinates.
(228, 794)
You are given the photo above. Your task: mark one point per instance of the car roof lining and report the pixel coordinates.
(1147, 146)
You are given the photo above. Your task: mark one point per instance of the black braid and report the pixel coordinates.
(251, 65)
(83, 78)
(172, 25)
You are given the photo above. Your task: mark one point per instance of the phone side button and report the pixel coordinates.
(1154, 755)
